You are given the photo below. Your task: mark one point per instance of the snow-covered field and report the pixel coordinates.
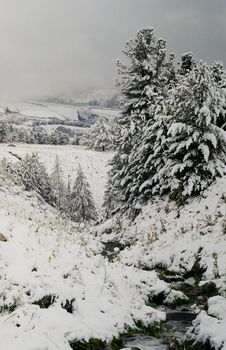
(94, 164)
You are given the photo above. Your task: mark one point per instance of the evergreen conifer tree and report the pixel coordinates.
(58, 186)
(187, 63)
(144, 82)
(148, 157)
(82, 207)
(196, 153)
(100, 137)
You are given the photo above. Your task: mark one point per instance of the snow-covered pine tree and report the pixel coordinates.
(187, 63)
(82, 207)
(148, 157)
(34, 177)
(100, 137)
(220, 78)
(58, 186)
(196, 153)
(146, 79)
(4, 131)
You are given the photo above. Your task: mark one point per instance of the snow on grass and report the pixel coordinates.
(211, 325)
(94, 164)
(173, 238)
(45, 256)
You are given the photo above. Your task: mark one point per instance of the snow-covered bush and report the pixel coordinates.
(100, 136)
(34, 177)
(210, 327)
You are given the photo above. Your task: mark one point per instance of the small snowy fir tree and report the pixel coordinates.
(82, 207)
(34, 177)
(196, 153)
(58, 186)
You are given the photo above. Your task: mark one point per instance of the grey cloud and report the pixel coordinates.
(57, 46)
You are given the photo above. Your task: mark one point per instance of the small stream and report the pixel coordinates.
(178, 319)
(171, 336)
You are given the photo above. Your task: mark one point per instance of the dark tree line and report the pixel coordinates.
(75, 201)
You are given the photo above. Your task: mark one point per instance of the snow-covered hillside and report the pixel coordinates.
(94, 164)
(45, 111)
(55, 286)
(184, 241)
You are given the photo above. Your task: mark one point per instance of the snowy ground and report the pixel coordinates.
(47, 256)
(175, 238)
(94, 164)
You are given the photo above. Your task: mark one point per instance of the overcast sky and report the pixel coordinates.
(51, 47)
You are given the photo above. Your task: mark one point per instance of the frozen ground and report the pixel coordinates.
(93, 163)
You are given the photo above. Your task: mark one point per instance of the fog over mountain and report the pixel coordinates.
(55, 47)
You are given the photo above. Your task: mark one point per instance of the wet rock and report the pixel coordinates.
(68, 306)
(3, 238)
(209, 289)
(45, 302)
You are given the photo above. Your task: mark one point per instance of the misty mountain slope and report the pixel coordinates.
(55, 286)
(94, 164)
(44, 112)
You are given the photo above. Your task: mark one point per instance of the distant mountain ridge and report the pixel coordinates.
(102, 99)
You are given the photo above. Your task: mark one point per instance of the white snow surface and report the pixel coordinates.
(47, 256)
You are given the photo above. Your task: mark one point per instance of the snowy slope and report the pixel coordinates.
(94, 163)
(163, 235)
(45, 256)
(64, 112)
